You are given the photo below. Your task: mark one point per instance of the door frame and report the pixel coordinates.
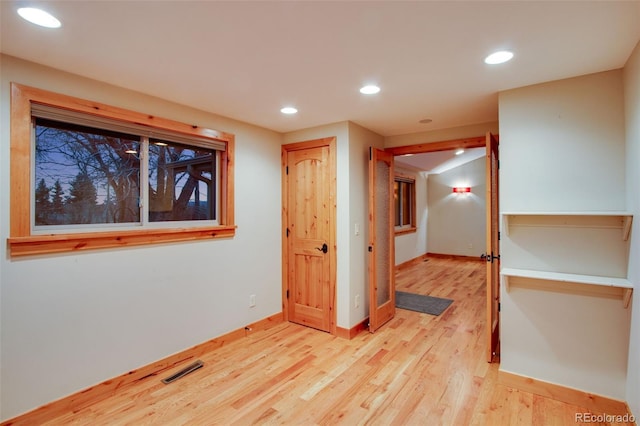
(286, 148)
(449, 145)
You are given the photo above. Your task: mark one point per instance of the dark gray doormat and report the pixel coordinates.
(420, 303)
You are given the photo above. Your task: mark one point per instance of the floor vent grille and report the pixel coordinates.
(180, 374)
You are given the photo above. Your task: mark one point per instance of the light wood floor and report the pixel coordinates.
(416, 370)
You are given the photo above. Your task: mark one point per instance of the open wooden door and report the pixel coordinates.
(382, 289)
(493, 249)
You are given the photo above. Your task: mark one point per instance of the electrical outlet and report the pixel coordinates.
(356, 301)
(252, 300)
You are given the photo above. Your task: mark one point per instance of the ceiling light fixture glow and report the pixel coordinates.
(460, 152)
(369, 89)
(289, 110)
(498, 57)
(39, 17)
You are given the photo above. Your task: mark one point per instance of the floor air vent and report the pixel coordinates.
(180, 374)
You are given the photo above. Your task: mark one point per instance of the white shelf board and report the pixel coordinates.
(571, 278)
(568, 213)
(627, 218)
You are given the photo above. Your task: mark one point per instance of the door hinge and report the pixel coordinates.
(370, 249)
(287, 293)
(370, 153)
(498, 164)
(286, 169)
(287, 232)
(498, 235)
(499, 307)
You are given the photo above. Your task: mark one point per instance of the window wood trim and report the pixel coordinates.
(401, 231)
(22, 242)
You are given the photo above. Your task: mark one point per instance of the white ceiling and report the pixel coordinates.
(246, 60)
(440, 161)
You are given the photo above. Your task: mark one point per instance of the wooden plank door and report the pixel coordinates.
(382, 294)
(493, 248)
(309, 218)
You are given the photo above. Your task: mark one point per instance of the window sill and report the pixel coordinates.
(60, 243)
(405, 231)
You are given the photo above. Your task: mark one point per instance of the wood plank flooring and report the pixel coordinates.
(416, 370)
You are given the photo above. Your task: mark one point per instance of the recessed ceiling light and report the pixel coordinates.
(39, 17)
(498, 57)
(460, 151)
(425, 121)
(369, 89)
(288, 110)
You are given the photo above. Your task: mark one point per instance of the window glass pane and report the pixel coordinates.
(396, 201)
(85, 175)
(406, 203)
(182, 182)
(383, 268)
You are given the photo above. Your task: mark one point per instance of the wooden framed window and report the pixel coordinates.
(86, 176)
(404, 193)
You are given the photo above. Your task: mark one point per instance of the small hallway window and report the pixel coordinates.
(404, 193)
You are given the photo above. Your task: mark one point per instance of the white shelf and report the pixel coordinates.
(569, 213)
(571, 278)
(587, 219)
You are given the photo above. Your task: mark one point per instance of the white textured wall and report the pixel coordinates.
(562, 148)
(562, 145)
(69, 321)
(457, 222)
(360, 139)
(632, 115)
(414, 244)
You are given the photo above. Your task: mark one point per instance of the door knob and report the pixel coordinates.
(324, 248)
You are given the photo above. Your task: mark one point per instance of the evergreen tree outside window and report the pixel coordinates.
(82, 199)
(57, 201)
(43, 203)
